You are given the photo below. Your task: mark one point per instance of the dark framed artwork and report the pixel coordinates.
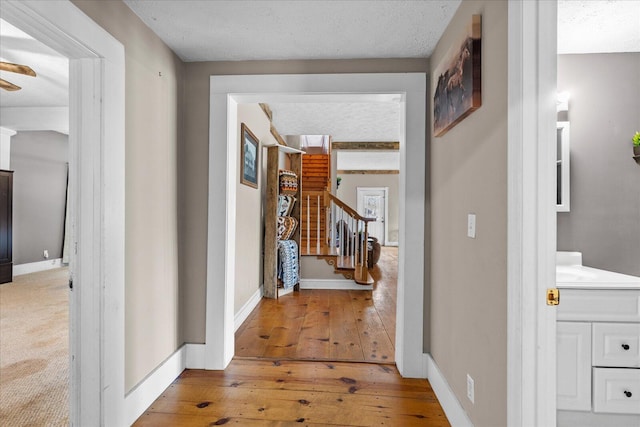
(249, 157)
(458, 80)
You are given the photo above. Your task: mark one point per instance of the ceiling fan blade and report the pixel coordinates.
(17, 68)
(8, 86)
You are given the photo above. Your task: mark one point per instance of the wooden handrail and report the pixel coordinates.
(336, 234)
(352, 212)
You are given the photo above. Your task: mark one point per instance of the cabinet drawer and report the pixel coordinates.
(599, 305)
(616, 344)
(616, 391)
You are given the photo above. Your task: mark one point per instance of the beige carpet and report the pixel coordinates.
(34, 350)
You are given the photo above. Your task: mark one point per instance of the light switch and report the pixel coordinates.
(471, 225)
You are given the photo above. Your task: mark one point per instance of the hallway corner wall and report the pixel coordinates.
(469, 275)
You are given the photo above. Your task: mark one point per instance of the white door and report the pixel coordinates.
(372, 203)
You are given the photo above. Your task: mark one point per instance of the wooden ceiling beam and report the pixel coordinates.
(366, 145)
(368, 172)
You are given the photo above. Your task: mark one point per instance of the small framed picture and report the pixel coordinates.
(249, 158)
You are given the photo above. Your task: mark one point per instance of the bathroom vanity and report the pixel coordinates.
(598, 345)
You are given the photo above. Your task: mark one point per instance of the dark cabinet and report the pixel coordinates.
(6, 210)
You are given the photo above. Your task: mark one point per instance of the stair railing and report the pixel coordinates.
(346, 231)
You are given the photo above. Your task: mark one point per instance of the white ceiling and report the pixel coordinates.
(51, 86)
(597, 26)
(310, 29)
(344, 121)
(303, 29)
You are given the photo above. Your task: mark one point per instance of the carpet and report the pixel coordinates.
(34, 350)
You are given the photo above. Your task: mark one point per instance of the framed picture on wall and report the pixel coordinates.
(249, 157)
(458, 81)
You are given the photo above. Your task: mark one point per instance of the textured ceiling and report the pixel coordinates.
(303, 29)
(379, 121)
(309, 29)
(598, 26)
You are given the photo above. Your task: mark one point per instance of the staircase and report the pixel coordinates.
(315, 179)
(335, 232)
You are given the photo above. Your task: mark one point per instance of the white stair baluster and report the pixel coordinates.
(318, 229)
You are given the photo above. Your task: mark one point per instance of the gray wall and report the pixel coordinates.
(469, 276)
(194, 158)
(604, 112)
(249, 211)
(39, 161)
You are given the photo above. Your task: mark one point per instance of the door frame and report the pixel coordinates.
(225, 93)
(531, 324)
(385, 230)
(96, 175)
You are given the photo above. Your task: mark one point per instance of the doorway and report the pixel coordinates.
(373, 202)
(226, 93)
(96, 75)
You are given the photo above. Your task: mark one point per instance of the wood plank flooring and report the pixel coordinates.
(326, 324)
(331, 325)
(293, 393)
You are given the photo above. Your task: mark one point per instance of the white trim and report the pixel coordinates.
(456, 414)
(5, 146)
(97, 204)
(34, 267)
(531, 340)
(283, 148)
(247, 308)
(138, 400)
(153, 385)
(391, 244)
(345, 285)
(6, 131)
(226, 92)
(564, 129)
(195, 356)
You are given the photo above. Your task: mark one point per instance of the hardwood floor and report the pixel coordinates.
(309, 326)
(292, 393)
(327, 324)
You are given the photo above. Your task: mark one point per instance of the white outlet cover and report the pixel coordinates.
(470, 389)
(471, 225)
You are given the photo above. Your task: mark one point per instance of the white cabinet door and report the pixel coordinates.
(574, 366)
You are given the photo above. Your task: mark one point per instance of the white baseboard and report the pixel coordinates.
(349, 285)
(195, 356)
(247, 308)
(147, 391)
(138, 400)
(391, 244)
(34, 267)
(450, 404)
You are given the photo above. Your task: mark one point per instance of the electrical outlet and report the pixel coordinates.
(471, 225)
(470, 389)
(45, 254)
